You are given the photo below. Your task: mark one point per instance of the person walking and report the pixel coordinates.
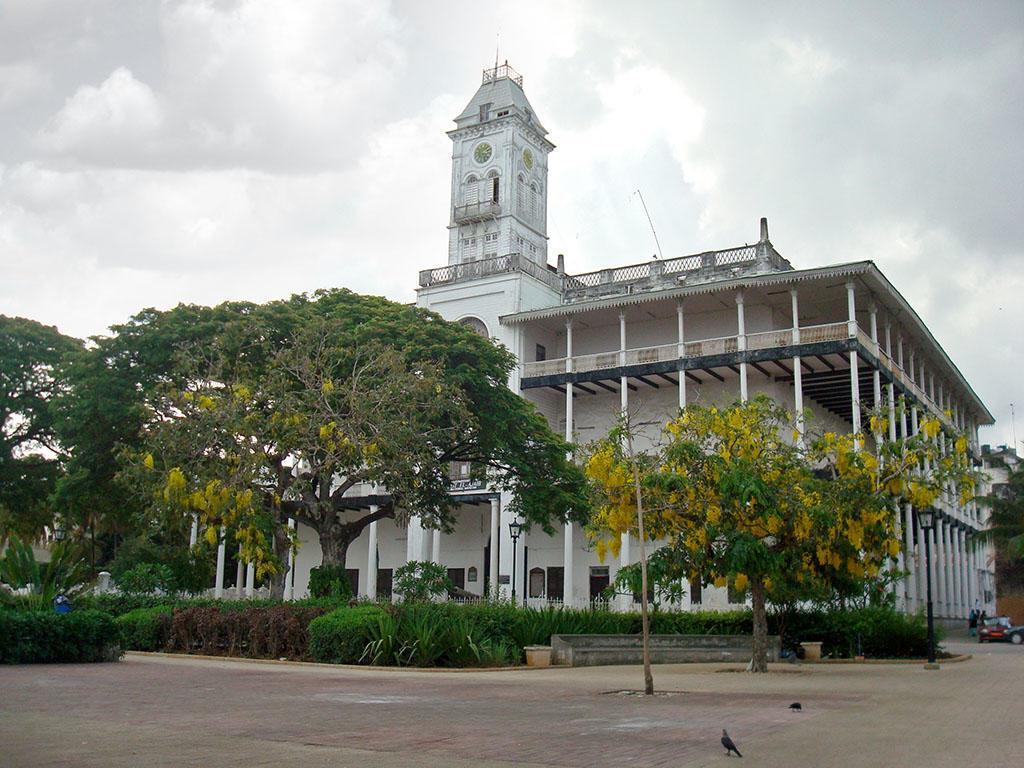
(972, 622)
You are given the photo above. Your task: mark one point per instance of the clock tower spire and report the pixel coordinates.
(499, 174)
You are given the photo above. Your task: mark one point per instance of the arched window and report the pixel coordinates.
(476, 325)
(521, 195)
(471, 190)
(533, 201)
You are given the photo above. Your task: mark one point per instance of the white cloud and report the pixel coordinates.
(121, 112)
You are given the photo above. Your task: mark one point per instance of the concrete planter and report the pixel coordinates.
(812, 651)
(538, 655)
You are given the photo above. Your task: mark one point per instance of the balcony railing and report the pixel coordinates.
(473, 270)
(470, 212)
(722, 345)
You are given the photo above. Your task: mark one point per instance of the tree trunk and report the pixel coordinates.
(641, 536)
(281, 546)
(759, 662)
(334, 541)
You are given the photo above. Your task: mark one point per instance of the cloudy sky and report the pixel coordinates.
(157, 152)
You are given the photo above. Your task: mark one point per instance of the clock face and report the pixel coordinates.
(528, 159)
(482, 153)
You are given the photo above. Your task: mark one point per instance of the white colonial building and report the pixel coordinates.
(833, 342)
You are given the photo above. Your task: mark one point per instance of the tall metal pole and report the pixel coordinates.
(928, 583)
(515, 540)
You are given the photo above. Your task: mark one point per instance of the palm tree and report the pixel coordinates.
(1006, 522)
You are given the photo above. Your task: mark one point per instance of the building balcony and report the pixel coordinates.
(824, 350)
(499, 265)
(473, 212)
(722, 345)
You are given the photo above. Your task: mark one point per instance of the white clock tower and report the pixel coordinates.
(499, 174)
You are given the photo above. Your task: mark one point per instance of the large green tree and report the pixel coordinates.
(280, 409)
(31, 358)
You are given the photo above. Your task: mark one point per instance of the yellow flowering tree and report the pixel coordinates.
(735, 498)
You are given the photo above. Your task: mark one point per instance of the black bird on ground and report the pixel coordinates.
(728, 744)
(795, 706)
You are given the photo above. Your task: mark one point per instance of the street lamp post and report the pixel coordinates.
(514, 529)
(926, 519)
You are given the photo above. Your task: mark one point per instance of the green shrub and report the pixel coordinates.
(883, 632)
(147, 578)
(145, 629)
(330, 581)
(29, 637)
(341, 636)
(421, 581)
(187, 571)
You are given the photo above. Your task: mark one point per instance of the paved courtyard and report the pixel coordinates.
(160, 711)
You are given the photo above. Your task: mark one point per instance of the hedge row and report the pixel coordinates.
(31, 637)
(118, 604)
(450, 634)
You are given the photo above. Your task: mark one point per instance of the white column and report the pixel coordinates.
(965, 596)
(909, 558)
(682, 353)
(798, 374)
(289, 577)
(493, 564)
(193, 535)
(371, 557)
(855, 394)
(939, 559)
(414, 540)
(876, 375)
(851, 328)
(435, 546)
(218, 589)
(851, 311)
(741, 343)
(952, 585)
(954, 571)
(250, 579)
(624, 404)
(239, 573)
(568, 584)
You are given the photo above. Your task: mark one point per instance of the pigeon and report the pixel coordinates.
(729, 746)
(795, 706)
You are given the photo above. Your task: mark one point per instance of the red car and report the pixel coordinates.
(995, 628)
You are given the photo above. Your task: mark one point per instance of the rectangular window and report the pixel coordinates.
(503, 113)
(542, 353)
(536, 582)
(485, 112)
(457, 576)
(384, 576)
(556, 579)
(599, 581)
(494, 189)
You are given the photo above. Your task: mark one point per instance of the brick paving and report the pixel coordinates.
(160, 711)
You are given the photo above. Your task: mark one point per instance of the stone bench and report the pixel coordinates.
(601, 650)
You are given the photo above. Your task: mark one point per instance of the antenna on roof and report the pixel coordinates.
(497, 47)
(640, 195)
